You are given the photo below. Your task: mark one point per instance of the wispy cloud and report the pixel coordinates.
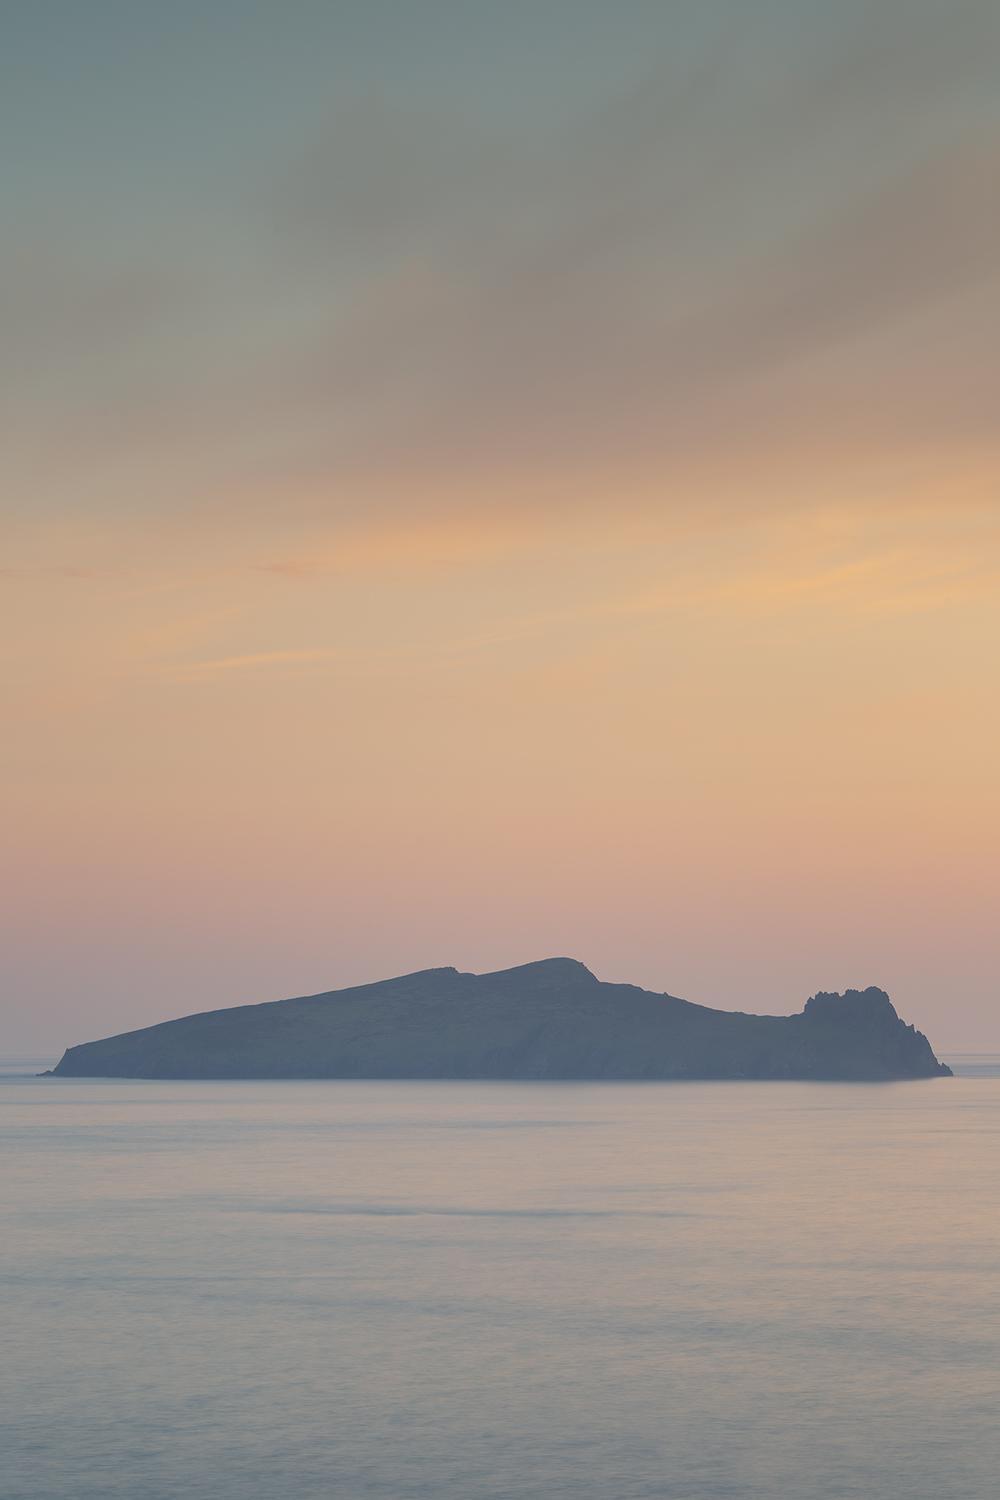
(728, 256)
(196, 670)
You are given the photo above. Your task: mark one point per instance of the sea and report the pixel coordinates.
(489, 1291)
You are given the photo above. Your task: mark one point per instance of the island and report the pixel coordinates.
(548, 1020)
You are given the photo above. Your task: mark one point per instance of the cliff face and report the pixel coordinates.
(552, 1019)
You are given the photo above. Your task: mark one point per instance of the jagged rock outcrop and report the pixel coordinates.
(552, 1020)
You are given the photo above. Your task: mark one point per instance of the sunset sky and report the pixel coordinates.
(492, 480)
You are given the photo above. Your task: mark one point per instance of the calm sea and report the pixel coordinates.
(500, 1292)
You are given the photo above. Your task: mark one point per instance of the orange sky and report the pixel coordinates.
(576, 533)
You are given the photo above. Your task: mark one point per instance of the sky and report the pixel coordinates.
(486, 481)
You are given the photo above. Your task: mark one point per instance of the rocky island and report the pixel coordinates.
(547, 1020)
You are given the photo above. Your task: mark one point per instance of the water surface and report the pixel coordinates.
(499, 1292)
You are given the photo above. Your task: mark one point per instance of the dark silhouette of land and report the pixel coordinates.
(547, 1020)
